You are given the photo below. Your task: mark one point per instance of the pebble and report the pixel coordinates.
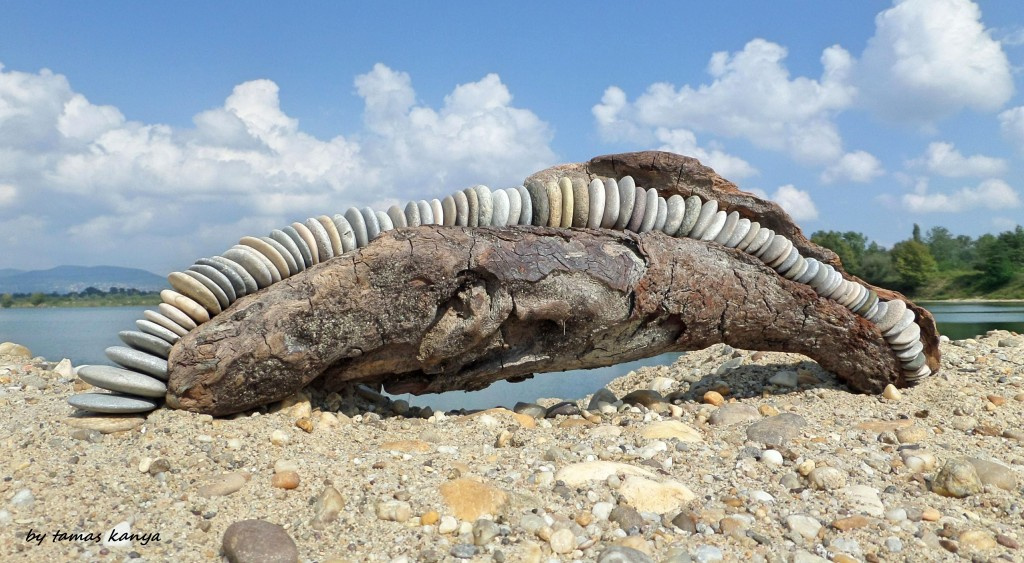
(734, 413)
(707, 554)
(279, 437)
(647, 495)
(285, 480)
(328, 506)
(565, 408)
(106, 424)
(623, 554)
(602, 395)
(484, 530)
(530, 409)
(671, 429)
(23, 499)
(626, 517)
(258, 540)
(892, 393)
(994, 473)
(862, 498)
(803, 524)
(469, 499)
(394, 511)
(714, 398)
(463, 551)
(448, 525)
(826, 478)
(771, 457)
(930, 515)
(646, 397)
(958, 478)
(785, 378)
(562, 541)
(977, 540)
(776, 430)
(224, 485)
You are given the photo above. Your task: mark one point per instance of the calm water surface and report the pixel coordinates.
(82, 334)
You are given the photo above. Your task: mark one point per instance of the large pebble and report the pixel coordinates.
(106, 424)
(468, 499)
(111, 403)
(15, 351)
(994, 473)
(776, 430)
(804, 525)
(827, 478)
(647, 495)
(958, 478)
(669, 429)
(623, 554)
(224, 485)
(122, 380)
(864, 499)
(734, 413)
(328, 506)
(580, 473)
(251, 541)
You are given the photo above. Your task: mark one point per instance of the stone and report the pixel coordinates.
(122, 381)
(958, 478)
(803, 524)
(484, 531)
(708, 211)
(526, 213)
(241, 279)
(892, 315)
(907, 336)
(1009, 342)
(146, 343)
(568, 202)
(324, 244)
(564, 408)
(329, 226)
(408, 446)
(485, 205)
(647, 495)
(577, 474)
(739, 233)
(468, 499)
(662, 215)
(305, 252)
(864, 499)
(715, 227)
(252, 263)
(994, 473)
(499, 200)
(515, 206)
(810, 272)
(602, 395)
(977, 540)
(734, 413)
(385, 222)
(760, 241)
(291, 247)
(562, 541)
(779, 247)
(772, 457)
(892, 393)
(307, 236)
(671, 429)
(219, 279)
(327, 507)
(268, 251)
(639, 210)
(622, 554)
(106, 424)
(358, 224)
(437, 211)
(539, 200)
(646, 397)
(554, 195)
(750, 237)
(164, 322)
(373, 225)
(13, 350)
(224, 485)
(394, 511)
(294, 265)
(596, 193)
(187, 305)
(580, 203)
(249, 541)
(111, 403)
(138, 361)
(794, 266)
(725, 233)
(785, 378)
(627, 199)
(222, 298)
(826, 478)
(611, 204)
(448, 213)
(285, 480)
(776, 430)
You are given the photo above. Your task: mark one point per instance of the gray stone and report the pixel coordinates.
(499, 200)
(437, 211)
(994, 473)
(597, 194)
(611, 204)
(911, 352)
(733, 413)
(212, 286)
(486, 202)
(775, 249)
(190, 287)
(626, 517)
(216, 276)
(448, 213)
(138, 361)
(731, 220)
(907, 336)
(760, 241)
(803, 524)
(164, 322)
(177, 315)
(530, 409)
(810, 272)
(251, 541)
(461, 209)
(694, 207)
(602, 395)
(662, 216)
(146, 343)
(826, 478)
(1009, 343)
(715, 227)
(384, 221)
(332, 234)
(235, 272)
(355, 220)
(639, 210)
(749, 238)
(554, 204)
(272, 268)
(905, 322)
(111, 403)
(797, 269)
(707, 214)
(623, 554)
(539, 200)
(426, 214)
(412, 214)
(473, 199)
(564, 408)
(627, 200)
(739, 233)
(776, 430)
(526, 201)
(372, 225)
(786, 268)
(122, 381)
(286, 255)
(346, 233)
(515, 206)
(250, 260)
(891, 315)
(580, 203)
(300, 243)
(149, 327)
(324, 248)
(307, 236)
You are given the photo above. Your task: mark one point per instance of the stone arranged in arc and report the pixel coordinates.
(212, 284)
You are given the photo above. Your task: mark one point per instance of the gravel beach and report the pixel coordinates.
(726, 455)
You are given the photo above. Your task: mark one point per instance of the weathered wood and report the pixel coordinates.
(435, 309)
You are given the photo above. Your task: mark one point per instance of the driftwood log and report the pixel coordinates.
(433, 309)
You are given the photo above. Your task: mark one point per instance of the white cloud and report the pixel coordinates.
(929, 59)
(857, 166)
(684, 141)
(8, 194)
(797, 203)
(943, 159)
(1011, 123)
(751, 96)
(989, 194)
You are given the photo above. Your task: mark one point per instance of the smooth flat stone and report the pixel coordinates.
(539, 200)
(384, 221)
(662, 215)
(892, 315)
(809, 273)
(270, 253)
(486, 203)
(499, 217)
(473, 198)
(332, 234)
(827, 283)
(345, 232)
(355, 219)
(461, 209)
(275, 274)
(862, 298)
(111, 403)
(580, 203)
(192, 288)
(249, 259)
(525, 206)
(515, 206)
(674, 215)
(426, 213)
(910, 353)
(789, 262)
(106, 424)
(122, 381)
(691, 214)
(596, 214)
(820, 277)
(226, 277)
(372, 226)
(300, 243)
(292, 266)
(869, 303)
(309, 239)
(787, 254)
(448, 210)
(554, 194)
(159, 331)
(178, 316)
(412, 214)
(921, 373)
(249, 284)
(145, 343)
(731, 220)
(914, 363)
(611, 204)
(796, 270)
(739, 232)
(751, 235)
(707, 214)
(398, 216)
(164, 321)
(138, 361)
(906, 322)
(627, 200)
(324, 247)
(848, 298)
(835, 285)
(186, 305)
(286, 242)
(568, 202)
(764, 235)
(715, 227)
(767, 246)
(437, 211)
(639, 210)
(871, 312)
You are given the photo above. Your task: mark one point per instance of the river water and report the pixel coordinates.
(81, 334)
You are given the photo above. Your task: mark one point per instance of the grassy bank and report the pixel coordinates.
(41, 300)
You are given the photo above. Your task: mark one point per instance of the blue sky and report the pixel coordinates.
(150, 134)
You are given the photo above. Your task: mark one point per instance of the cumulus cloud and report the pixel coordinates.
(857, 166)
(796, 202)
(1011, 123)
(989, 194)
(684, 141)
(943, 159)
(100, 176)
(929, 59)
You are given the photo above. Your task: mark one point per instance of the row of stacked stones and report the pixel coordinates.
(211, 284)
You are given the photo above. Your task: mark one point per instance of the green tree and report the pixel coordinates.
(36, 299)
(6, 300)
(850, 246)
(995, 260)
(913, 263)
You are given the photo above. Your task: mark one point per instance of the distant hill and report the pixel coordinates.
(66, 279)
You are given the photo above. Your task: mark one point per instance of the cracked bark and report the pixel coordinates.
(434, 309)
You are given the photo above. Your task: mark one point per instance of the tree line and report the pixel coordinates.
(936, 264)
(88, 297)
